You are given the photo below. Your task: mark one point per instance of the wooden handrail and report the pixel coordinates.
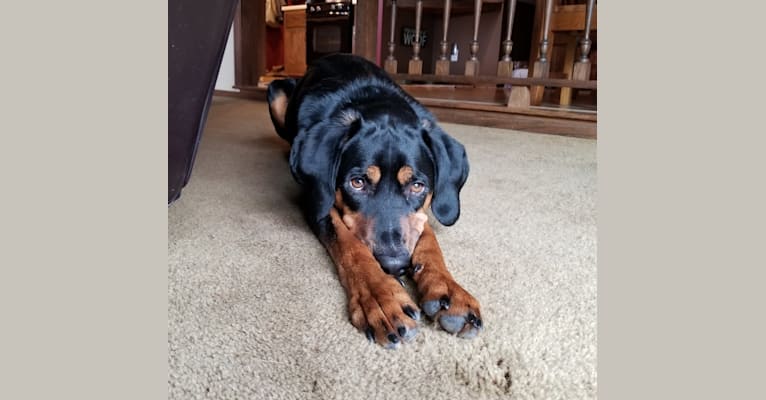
(497, 80)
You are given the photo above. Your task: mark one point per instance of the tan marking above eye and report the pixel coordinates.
(404, 175)
(373, 173)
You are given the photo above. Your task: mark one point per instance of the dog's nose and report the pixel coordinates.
(394, 265)
(391, 253)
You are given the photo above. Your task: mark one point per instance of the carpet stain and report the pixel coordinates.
(508, 382)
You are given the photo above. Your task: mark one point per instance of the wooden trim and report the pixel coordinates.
(366, 36)
(516, 121)
(245, 94)
(503, 109)
(257, 45)
(496, 80)
(251, 89)
(379, 32)
(459, 7)
(572, 18)
(249, 42)
(239, 68)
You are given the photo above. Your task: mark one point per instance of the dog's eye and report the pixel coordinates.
(357, 183)
(417, 187)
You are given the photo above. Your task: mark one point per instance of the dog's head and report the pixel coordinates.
(382, 169)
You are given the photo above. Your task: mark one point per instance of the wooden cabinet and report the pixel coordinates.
(295, 41)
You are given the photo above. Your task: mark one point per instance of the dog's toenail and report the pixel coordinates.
(402, 330)
(411, 312)
(473, 320)
(393, 338)
(444, 302)
(370, 334)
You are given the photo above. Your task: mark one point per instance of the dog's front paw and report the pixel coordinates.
(445, 301)
(383, 310)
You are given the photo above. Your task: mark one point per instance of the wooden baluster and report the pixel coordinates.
(505, 65)
(519, 96)
(391, 64)
(582, 66)
(416, 64)
(579, 70)
(542, 66)
(472, 65)
(442, 64)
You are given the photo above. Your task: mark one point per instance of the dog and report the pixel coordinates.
(371, 161)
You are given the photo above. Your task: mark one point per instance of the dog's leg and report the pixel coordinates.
(441, 297)
(377, 303)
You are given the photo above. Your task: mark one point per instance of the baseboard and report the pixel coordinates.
(521, 122)
(242, 94)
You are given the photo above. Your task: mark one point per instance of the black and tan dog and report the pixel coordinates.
(371, 161)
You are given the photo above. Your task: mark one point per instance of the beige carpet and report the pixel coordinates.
(256, 311)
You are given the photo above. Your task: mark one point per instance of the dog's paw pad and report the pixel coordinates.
(466, 326)
(431, 307)
(457, 312)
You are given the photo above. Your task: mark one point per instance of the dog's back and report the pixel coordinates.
(337, 78)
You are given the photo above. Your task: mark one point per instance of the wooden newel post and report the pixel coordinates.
(442, 64)
(472, 65)
(416, 64)
(582, 66)
(505, 65)
(391, 65)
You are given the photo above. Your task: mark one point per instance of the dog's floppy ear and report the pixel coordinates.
(314, 160)
(278, 96)
(451, 169)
